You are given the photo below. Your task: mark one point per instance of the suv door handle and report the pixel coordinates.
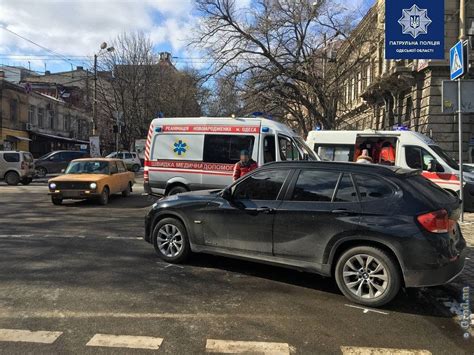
(266, 210)
(340, 211)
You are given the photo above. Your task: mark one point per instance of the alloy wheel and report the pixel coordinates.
(169, 240)
(365, 276)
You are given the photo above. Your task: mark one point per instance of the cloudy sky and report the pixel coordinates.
(76, 28)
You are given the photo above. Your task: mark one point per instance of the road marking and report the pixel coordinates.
(366, 310)
(125, 341)
(252, 347)
(355, 350)
(127, 238)
(172, 265)
(28, 336)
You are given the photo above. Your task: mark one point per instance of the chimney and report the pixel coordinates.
(79, 68)
(47, 72)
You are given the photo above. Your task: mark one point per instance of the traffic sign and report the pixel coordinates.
(456, 61)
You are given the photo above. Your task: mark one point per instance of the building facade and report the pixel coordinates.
(39, 123)
(381, 94)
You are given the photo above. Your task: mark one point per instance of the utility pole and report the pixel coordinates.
(94, 98)
(117, 134)
(462, 36)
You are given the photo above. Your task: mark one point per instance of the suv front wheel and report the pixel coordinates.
(368, 276)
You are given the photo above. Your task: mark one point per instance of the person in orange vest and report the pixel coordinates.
(387, 154)
(245, 165)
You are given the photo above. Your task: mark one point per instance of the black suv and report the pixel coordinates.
(373, 228)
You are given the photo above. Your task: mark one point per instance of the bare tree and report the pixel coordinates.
(280, 49)
(136, 84)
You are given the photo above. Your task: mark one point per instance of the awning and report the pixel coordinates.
(52, 136)
(13, 139)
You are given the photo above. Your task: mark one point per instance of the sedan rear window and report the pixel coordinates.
(372, 188)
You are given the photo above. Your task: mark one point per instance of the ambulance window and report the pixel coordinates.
(226, 148)
(269, 149)
(288, 149)
(419, 158)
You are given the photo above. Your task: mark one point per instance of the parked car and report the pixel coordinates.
(196, 153)
(92, 178)
(407, 149)
(131, 160)
(16, 167)
(55, 162)
(372, 228)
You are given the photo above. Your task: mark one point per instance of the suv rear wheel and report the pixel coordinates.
(135, 168)
(368, 276)
(170, 240)
(12, 178)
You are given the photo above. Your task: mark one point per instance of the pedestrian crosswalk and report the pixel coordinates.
(220, 346)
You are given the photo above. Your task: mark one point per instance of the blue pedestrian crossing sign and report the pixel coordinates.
(456, 61)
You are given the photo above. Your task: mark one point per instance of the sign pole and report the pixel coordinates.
(461, 176)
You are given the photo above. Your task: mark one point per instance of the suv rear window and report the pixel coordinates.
(372, 188)
(11, 157)
(429, 189)
(27, 157)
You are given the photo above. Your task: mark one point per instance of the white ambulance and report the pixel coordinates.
(407, 149)
(184, 154)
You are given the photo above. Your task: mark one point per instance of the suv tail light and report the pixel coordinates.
(436, 222)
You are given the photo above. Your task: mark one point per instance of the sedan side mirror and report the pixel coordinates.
(226, 194)
(63, 171)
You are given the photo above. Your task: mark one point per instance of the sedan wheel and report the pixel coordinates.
(368, 276)
(171, 240)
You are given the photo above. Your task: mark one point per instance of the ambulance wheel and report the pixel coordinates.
(177, 190)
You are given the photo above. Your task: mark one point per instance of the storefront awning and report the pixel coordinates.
(13, 139)
(65, 139)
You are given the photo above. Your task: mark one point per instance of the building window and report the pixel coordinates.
(51, 119)
(32, 114)
(13, 110)
(409, 110)
(67, 122)
(40, 117)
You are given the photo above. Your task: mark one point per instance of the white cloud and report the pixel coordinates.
(78, 27)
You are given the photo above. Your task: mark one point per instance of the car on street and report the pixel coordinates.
(55, 162)
(16, 167)
(92, 178)
(373, 228)
(131, 160)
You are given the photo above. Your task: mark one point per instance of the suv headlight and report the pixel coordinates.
(52, 186)
(93, 185)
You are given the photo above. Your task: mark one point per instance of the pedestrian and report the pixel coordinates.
(245, 165)
(364, 158)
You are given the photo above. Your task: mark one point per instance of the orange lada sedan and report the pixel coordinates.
(92, 178)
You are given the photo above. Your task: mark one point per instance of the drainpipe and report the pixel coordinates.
(462, 20)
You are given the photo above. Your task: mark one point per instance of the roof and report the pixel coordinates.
(352, 167)
(98, 159)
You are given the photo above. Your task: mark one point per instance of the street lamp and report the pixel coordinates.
(94, 104)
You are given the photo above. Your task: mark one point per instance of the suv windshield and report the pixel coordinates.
(305, 149)
(446, 158)
(88, 167)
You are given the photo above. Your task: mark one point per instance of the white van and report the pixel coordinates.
(406, 149)
(184, 154)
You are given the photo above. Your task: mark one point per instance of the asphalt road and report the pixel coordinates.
(79, 270)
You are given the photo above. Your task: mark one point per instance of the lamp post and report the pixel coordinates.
(94, 99)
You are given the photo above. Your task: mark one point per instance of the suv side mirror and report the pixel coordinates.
(227, 194)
